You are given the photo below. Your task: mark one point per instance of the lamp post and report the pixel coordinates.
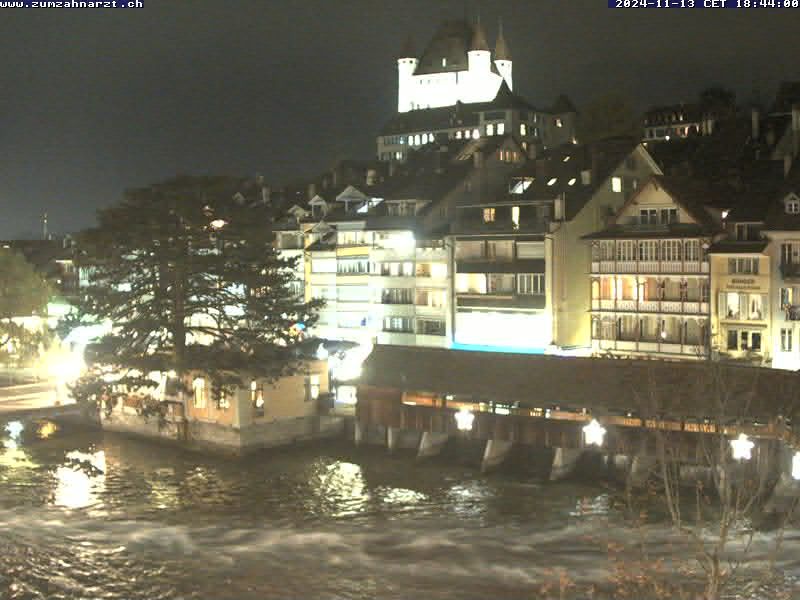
(464, 420)
(742, 448)
(594, 433)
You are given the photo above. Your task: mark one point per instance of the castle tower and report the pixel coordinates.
(406, 65)
(479, 56)
(502, 57)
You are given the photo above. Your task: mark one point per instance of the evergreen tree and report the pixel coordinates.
(186, 273)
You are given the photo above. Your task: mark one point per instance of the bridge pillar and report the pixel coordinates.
(358, 433)
(495, 453)
(564, 461)
(787, 489)
(392, 438)
(642, 467)
(431, 444)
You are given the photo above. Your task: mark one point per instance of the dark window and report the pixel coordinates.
(733, 339)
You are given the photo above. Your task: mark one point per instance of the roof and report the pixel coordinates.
(447, 50)
(501, 50)
(408, 50)
(652, 232)
(777, 218)
(737, 247)
(595, 383)
(563, 105)
(478, 41)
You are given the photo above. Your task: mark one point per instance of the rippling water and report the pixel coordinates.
(93, 515)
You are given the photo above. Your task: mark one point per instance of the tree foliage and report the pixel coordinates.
(187, 274)
(610, 115)
(23, 293)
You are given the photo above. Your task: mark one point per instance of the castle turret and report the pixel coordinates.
(479, 56)
(406, 65)
(502, 58)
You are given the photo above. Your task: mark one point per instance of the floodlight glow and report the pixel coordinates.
(594, 433)
(464, 420)
(742, 447)
(14, 429)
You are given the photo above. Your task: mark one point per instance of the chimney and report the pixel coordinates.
(755, 119)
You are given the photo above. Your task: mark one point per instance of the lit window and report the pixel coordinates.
(793, 206)
(571, 181)
(257, 398)
(458, 135)
(552, 181)
(199, 389)
(501, 128)
(515, 217)
(444, 62)
(488, 215)
(223, 402)
(523, 129)
(475, 134)
(616, 184)
(559, 122)
(417, 140)
(786, 340)
(490, 129)
(312, 387)
(566, 158)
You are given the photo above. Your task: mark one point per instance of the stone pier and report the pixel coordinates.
(564, 461)
(495, 453)
(431, 444)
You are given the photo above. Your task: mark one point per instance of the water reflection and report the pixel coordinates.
(80, 483)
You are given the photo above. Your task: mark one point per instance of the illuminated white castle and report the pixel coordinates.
(457, 66)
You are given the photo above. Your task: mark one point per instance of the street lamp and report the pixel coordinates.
(742, 447)
(464, 420)
(594, 433)
(218, 224)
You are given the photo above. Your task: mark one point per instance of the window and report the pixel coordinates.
(515, 217)
(431, 327)
(733, 339)
(648, 251)
(530, 284)
(199, 392)
(793, 206)
(786, 297)
(323, 265)
(790, 254)
(744, 341)
(353, 266)
(671, 250)
(470, 283)
(458, 135)
(353, 293)
(401, 209)
(530, 249)
(490, 129)
(648, 216)
(500, 283)
(444, 62)
(501, 128)
(257, 398)
(559, 122)
(397, 296)
(626, 250)
(223, 401)
(397, 324)
(431, 298)
(500, 250)
(786, 340)
(692, 250)
(312, 387)
(476, 134)
(523, 129)
(488, 215)
(669, 215)
(746, 266)
(616, 184)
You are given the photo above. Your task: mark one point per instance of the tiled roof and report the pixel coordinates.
(450, 42)
(600, 384)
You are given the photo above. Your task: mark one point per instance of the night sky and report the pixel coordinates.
(95, 101)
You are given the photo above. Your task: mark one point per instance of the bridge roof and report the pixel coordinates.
(646, 387)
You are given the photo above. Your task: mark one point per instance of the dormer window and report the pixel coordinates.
(444, 62)
(793, 205)
(488, 215)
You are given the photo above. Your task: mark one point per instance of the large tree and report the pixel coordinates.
(186, 273)
(23, 294)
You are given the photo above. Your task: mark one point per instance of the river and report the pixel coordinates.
(85, 514)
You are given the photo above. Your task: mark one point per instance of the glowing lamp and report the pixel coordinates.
(218, 224)
(594, 433)
(14, 429)
(742, 447)
(464, 420)
(796, 466)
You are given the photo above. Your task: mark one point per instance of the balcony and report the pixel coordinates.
(792, 312)
(684, 307)
(651, 266)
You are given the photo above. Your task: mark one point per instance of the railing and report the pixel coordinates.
(686, 307)
(651, 266)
